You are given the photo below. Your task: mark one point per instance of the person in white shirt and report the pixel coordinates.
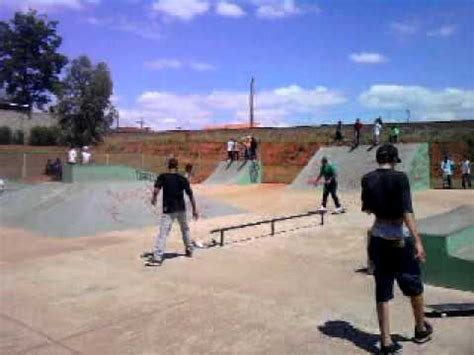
(466, 172)
(447, 167)
(377, 131)
(72, 156)
(2, 186)
(86, 155)
(230, 149)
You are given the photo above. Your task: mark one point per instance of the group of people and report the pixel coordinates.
(395, 248)
(73, 156)
(448, 167)
(247, 147)
(394, 135)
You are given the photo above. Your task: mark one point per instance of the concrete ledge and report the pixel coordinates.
(449, 243)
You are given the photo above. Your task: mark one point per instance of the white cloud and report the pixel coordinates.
(274, 107)
(182, 9)
(169, 63)
(49, 4)
(160, 64)
(443, 31)
(229, 10)
(277, 9)
(424, 103)
(201, 66)
(367, 58)
(404, 28)
(149, 31)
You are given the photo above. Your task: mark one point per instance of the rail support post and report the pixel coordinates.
(222, 238)
(322, 218)
(272, 228)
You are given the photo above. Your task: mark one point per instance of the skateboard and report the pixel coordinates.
(450, 310)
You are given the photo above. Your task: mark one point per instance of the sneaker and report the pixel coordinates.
(422, 336)
(322, 209)
(393, 348)
(154, 262)
(189, 253)
(340, 210)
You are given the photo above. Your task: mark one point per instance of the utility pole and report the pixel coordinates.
(408, 115)
(251, 102)
(141, 122)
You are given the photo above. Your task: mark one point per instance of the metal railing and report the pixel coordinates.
(272, 222)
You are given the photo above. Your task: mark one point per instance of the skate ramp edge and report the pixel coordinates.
(448, 239)
(97, 173)
(236, 173)
(351, 165)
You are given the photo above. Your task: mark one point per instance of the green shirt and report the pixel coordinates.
(328, 171)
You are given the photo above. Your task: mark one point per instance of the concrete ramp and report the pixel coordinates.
(74, 210)
(449, 244)
(236, 173)
(351, 165)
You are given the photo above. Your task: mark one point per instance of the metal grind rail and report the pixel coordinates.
(272, 222)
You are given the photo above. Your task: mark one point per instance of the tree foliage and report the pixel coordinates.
(29, 62)
(84, 109)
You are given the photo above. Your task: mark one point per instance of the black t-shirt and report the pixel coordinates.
(173, 186)
(386, 193)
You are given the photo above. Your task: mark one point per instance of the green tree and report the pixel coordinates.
(84, 108)
(29, 62)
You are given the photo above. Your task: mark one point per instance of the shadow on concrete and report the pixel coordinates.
(361, 339)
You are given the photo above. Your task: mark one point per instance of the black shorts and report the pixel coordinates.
(391, 263)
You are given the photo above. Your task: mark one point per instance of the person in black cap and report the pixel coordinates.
(395, 248)
(173, 185)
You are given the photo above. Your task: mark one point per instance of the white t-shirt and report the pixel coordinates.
(377, 128)
(230, 146)
(466, 167)
(86, 157)
(447, 167)
(2, 185)
(72, 156)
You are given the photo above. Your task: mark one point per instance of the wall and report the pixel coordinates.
(21, 121)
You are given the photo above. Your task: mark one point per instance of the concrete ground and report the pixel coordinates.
(296, 292)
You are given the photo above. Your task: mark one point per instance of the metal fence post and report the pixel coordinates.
(23, 168)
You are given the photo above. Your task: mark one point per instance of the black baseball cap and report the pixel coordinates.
(387, 153)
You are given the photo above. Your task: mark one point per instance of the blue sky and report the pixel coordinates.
(188, 63)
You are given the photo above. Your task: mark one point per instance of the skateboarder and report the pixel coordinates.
(466, 172)
(328, 171)
(395, 247)
(173, 185)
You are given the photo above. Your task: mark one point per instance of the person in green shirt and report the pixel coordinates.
(328, 171)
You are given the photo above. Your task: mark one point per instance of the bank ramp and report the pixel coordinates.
(448, 239)
(236, 173)
(351, 165)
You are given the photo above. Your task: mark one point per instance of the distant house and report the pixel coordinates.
(132, 130)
